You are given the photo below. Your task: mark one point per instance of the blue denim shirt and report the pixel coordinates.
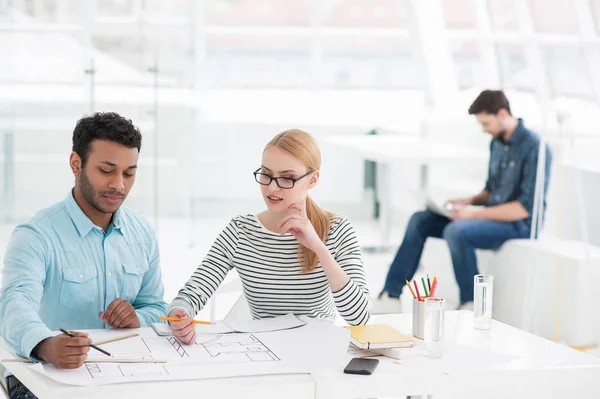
(61, 270)
(513, 169)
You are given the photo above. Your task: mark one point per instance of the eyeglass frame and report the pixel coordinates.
(293, 180)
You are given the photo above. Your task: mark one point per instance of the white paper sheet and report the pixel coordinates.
(286, 322)
(219, 327)
(300, 350)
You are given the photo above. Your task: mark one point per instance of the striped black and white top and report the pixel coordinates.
(272, 276)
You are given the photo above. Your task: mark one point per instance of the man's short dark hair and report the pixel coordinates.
(490, 102)
(104, 126)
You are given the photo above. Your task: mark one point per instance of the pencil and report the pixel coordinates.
(434, 280)
(103, 360)
(93, 346)
(180, 319)
(428, 283)
(411, 290)
(122, 337)
(125, 360)
(424, 287)
(435, 283)
(417, 290)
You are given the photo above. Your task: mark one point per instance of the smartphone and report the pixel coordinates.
(361, 366)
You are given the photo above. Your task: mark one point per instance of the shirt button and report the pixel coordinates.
(497, 198)
(505, 148)
(109, 274)
(511, 164)
(81, 276)
(138, 269)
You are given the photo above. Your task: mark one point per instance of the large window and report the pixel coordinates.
(515, 70)
(503, 15)
(175, 65)
(556, 16)
(255, 61)
(369, 62)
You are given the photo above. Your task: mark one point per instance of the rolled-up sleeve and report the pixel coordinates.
(23, 280)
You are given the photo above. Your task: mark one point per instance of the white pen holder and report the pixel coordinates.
(418, 319)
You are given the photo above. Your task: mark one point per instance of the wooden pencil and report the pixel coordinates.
(100, 360)
(122, 337)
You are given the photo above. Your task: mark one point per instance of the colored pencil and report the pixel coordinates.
(411, 290)
(435, 284)
(417, 290)
(180, 319)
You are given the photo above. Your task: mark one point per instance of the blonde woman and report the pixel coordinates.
(293, 257)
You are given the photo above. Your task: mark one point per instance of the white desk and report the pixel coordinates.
(401, 149)
(544, 369)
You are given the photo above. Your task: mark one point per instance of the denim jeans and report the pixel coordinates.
(16, 390)
(462, 236)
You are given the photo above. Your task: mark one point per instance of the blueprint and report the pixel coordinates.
(299, 350)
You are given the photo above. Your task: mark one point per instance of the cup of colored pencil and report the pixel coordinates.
(428, 291)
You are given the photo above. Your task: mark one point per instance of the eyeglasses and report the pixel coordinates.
(282, 182)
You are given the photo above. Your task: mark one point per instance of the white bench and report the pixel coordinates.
(546, 287)
(541, 286)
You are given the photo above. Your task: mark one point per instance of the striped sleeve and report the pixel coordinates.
(353, 301)
(211, 272)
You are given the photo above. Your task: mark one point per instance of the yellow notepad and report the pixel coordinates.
(378, 336)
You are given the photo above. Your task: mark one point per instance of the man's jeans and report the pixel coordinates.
(462, 236)
(16, 390)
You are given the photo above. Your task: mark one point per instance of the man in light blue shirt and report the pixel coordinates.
(86, 262)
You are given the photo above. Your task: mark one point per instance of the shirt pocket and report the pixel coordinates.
(133, 274)
(79, 287)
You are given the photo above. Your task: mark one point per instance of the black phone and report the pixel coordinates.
(361, 366)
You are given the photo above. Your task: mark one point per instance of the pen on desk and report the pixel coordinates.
(180, 319)
(411, 290)
(417, 290)
(93, 346)
(428, 283)
(424, 287)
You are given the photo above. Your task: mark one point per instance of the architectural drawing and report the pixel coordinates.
(207, 350)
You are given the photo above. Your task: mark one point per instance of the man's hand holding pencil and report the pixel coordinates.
(64, 351)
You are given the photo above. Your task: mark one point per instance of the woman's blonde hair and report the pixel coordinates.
(303, 147)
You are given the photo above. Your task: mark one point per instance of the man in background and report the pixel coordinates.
(508, 198)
